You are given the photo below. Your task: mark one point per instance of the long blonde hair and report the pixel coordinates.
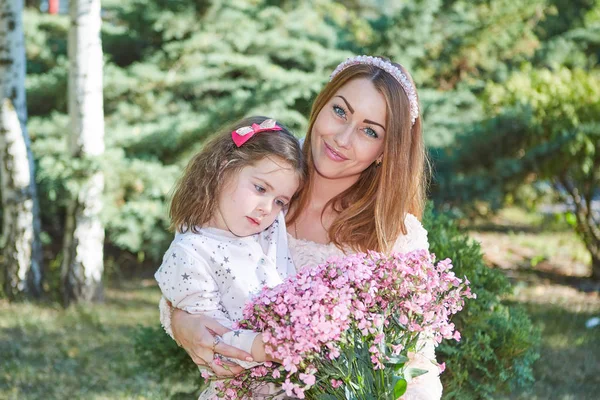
(371, 213)
(197, 191)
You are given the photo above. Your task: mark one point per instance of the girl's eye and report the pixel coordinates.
(259, 189)
(280, 203)
(371, 132)
(339, 111)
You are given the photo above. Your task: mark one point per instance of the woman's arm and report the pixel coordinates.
(194, 332)
(427, 386)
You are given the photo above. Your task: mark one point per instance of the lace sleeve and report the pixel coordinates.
(427, 386)
(165, 315)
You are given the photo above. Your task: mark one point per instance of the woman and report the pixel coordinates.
(365, 191)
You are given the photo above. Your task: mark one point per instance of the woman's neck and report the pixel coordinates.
(324, 189)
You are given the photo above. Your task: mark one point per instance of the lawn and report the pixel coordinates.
(547, 265)
(47, 352)
(87, 352)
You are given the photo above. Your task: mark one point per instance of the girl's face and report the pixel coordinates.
(349, 132)
(252, 198)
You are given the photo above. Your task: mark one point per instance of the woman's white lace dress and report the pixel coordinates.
(424, 387)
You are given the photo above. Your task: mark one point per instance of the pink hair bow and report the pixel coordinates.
(241, 135)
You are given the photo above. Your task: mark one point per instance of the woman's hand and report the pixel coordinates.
(196, 334)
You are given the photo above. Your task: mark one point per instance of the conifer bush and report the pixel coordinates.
(499, 343)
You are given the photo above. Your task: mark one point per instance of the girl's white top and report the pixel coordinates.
(214, 273)
(223, 297)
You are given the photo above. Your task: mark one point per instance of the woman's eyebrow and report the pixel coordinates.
(347, 104)
(368, 121)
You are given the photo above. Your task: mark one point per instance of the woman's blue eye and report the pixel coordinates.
(339, 111)
(280, 203)
(371, 132)
(259, 189)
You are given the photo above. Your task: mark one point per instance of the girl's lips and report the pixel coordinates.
(334, 155)
(253, 221)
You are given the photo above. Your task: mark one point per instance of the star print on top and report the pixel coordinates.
(214, 272)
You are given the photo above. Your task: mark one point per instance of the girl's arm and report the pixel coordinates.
(191, 309)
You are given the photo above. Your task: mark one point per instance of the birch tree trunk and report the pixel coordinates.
(20, 240)
(83, 264)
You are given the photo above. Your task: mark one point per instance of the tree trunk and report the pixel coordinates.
(587, 224)
(83, 264)
(23, 271)
(596, 267)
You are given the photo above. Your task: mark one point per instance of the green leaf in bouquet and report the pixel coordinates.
(400, 387)
(414, 372)
(349, 395)
(396, 360)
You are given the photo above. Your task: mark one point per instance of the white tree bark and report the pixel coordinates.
(21, 227)
(83, 264)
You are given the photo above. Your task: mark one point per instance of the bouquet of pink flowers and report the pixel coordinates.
(343, 329)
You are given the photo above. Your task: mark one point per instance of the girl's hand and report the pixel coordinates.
(258, 350)
(196, 334)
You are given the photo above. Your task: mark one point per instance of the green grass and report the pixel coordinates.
(548, 266)
(84, 352)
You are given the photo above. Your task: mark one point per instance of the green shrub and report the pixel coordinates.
(499, 343)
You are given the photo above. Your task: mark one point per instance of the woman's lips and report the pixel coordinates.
(334, 155)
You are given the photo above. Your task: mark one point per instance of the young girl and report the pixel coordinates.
(226, 210)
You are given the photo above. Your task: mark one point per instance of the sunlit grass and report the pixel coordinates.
(547, 264)
(47, 352)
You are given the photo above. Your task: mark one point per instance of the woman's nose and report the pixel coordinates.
(344, 137)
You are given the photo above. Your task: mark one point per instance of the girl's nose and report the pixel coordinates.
(265, 207)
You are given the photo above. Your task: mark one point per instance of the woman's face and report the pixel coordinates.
(349, 132)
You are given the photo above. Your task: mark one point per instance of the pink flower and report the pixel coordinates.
(288, 387)
(442, 367)
(299, 392)
(456, 336)
(308, 379)
(336, 383)
(397, 348)
(309, 320)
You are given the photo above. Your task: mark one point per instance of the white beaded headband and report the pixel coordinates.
(394, 71)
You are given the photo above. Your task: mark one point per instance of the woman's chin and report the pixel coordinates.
(336, 173)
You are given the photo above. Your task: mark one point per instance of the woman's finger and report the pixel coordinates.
(216, 327)
(232, 352)
(197, 360)
(225, 370)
